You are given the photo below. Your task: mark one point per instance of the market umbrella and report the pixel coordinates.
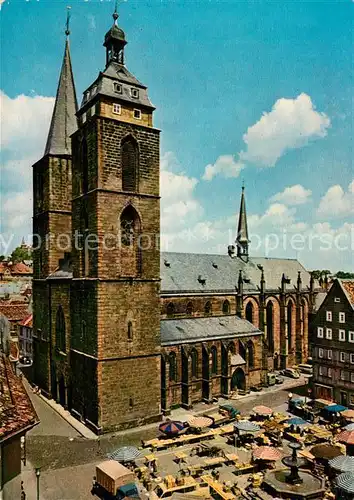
(171, 427)
(349, 427)
(267, 453)
(345, 482)
(344, 463)
(200, 422)
(346, 437)
(246, 426)
(335, 408)
(326, 451)
(348, 414)
(263, 411)
(297, 421)
(125, 454)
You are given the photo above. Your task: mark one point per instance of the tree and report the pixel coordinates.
(317, 273)
(20, 254)
(2, 258)
(344, 275)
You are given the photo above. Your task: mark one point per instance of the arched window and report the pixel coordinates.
(173, 367)
(84, 163)
(194, 358)
(270, 326)
(290, 324)
(130, 330)
(207, 308)
(189, 308)
(60, 330)
(170, 309)
(214, 360)
(226, 307)
(250, 354)
(130, 229)
(242, 350)
(249, 312)
(130, 164)
(129, 226)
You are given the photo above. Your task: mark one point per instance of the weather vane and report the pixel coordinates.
(67, 31)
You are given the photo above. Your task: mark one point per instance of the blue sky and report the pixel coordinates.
(213, 69)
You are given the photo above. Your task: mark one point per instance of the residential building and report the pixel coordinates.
(25, 337)
(332, 343)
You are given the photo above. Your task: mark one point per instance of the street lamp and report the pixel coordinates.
(38, 473)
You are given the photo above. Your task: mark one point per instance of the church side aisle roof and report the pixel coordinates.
(180, 272)
(174, 331)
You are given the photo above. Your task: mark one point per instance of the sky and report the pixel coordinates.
(254, 92)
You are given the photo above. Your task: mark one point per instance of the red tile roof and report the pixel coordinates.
(348, 286)
(27, 321)
(14, 312)
(16, 410)
(20, 268)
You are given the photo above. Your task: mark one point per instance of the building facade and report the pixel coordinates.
(112, 315)
(332, 341)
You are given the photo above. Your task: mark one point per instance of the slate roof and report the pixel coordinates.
(16, 410)
(184, 331)
(180, 272)
(64, 122)
(348, 287)
(103, 85)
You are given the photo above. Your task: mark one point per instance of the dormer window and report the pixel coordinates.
(134, 93)
(117, 109)
(93, 91)
(117, 87)
(137, 114)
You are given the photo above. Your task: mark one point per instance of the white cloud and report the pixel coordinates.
(226, 165)
(17, 209)
(336, 202)
(293, 195)
(291, 124)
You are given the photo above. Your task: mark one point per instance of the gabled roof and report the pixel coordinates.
(348, 288)
(181, 331)
(16, 410)
(14, 312)
(64, 122)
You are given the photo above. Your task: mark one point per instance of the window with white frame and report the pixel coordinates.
(351, 336)
(117, 109)
(352, 377)
(342, 335)
(329, 354)
(329, 333)
(329, 372)
(342, 357)
(117, 87)
(137, 114)
(342, 374)
(352, 358)
(320, 353)
(336, 299)
(320, 332)
(134, 93)
(328, 315)
(321, 371)
(341, 317)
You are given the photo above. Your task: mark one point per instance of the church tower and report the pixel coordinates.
(52, 213)
(115, 305)
(242, 240)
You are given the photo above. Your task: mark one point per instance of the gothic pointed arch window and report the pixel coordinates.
(214, 360)
(84, 164)
(242, 350)
(60, 330)
(130, 164)
(270, 326)
(173, 367)
(130, 330)
(249, 312)
(130, 229)
(194, 363)
(250, 348)
(289, 311)
(207, 308)
(226, 307)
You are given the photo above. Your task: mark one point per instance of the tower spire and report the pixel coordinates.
(64, 121)
(242, 240)
(115, 41)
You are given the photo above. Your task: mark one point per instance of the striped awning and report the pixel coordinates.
(246, 426)
(344, 463)
(125, 454)
(345, 482)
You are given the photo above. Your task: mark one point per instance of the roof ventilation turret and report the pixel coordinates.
(167, 263)
(215, 265)
(201, 280)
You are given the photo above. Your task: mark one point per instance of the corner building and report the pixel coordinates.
(123, 332)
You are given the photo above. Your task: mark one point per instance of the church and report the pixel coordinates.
(123, 332)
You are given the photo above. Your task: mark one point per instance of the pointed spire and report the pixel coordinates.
(242, 230)
(64, 121)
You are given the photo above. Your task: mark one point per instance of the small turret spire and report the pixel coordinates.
(115, 41)
(115, 13)
(242, 230)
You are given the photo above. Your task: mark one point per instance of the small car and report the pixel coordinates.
(279, 380)
(291, 372)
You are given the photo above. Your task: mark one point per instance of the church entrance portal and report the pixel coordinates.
(238, 380)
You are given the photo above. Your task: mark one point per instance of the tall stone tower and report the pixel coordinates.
(115, 305)
(52, 215)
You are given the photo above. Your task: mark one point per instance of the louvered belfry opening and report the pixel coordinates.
(130, 227)
(130, 164)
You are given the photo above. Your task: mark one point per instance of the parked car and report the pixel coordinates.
(305, 368)
(279, 379)
(291, 372)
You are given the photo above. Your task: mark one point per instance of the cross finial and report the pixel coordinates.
(243, 184)
(115, 13)
(67, 31)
